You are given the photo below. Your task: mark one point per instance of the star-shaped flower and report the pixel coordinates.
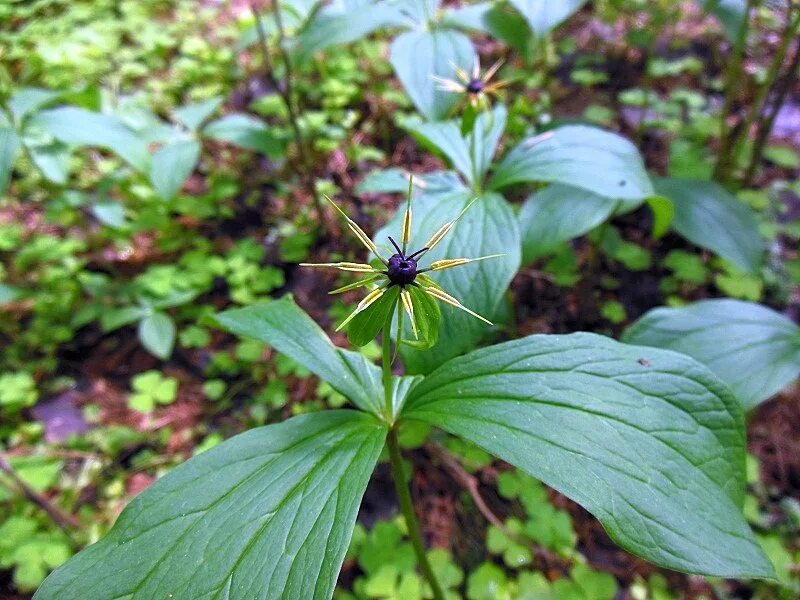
(477, 87)
(401, 269)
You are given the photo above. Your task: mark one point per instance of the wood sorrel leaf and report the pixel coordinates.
(649, 441)
(707, 215)
(418, 56)
(586, 157)
(559, 213)
(267, 514)
(287, 328)
(753, 349)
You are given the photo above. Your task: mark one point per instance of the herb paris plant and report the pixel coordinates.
(649, 441)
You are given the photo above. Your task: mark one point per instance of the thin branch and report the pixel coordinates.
(286, 93)
(62, 519)
(732, 80)
(760, 103)
(471, 484)
(781, 92)
(468, 482)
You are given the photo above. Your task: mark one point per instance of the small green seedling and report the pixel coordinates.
(151, 388)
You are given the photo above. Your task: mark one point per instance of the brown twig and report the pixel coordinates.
(64, 520)
(468, 482)
(472, 485)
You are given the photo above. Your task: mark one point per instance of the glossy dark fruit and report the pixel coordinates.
(475, 86)
(401, 270)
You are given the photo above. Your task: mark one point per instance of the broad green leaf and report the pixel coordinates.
(80, 127)
(246, 132)
(366, 325)
(559, 213)
(9, 146)
(581, 156)
(193, 115)
(157, 334)
(110, 213)
(545, 15)
(500, 21)
(418, 56)
(287, 328)
(28, 100)
(707, 215)
(345, 21)
(731, 14)
(115, 318)
(753, 349)
(266, 514)
(488, 227)
(649, 441)
(171, 166)
(8, 293)
(471, 155)
(395, 180)
(52, 160)
(663, 212)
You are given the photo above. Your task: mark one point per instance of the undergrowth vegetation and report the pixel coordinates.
(299, 284)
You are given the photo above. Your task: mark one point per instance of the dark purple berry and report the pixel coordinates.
(401, 271)
(475, 86)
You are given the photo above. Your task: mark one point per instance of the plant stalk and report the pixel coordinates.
(732, 81)
(781, 91)
(407, 508)
(65, 521)
(386, 364)
(286, 93)
(759, 104)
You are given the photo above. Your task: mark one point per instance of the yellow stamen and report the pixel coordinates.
(356, 285)
(460, 73)
(345, 266)
(491, 71)
(448, 85)
(405, 298)
(363, 237)
(444, 229)
(370, 299)
(406, 235)
(445, 297)
(449, 263)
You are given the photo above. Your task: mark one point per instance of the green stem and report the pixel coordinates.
(407, 508)
(759, 104)
(386, 364)
(732, 82)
